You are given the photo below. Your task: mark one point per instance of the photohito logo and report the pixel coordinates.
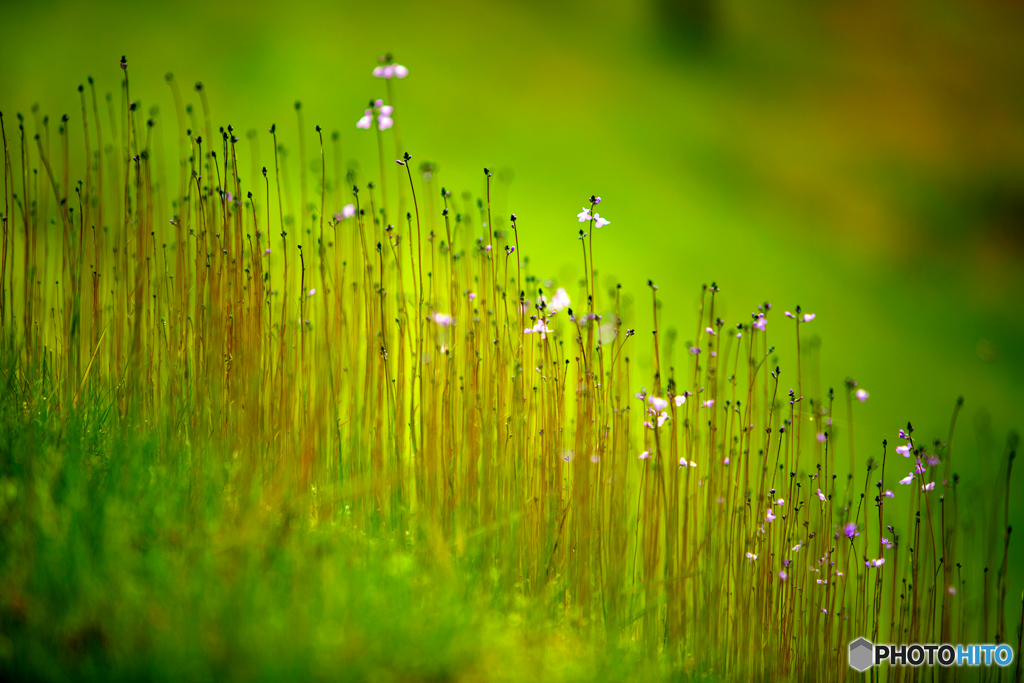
(864, 655)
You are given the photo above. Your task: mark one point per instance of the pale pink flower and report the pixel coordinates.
(443, 319)
(645, 455)
(707, 404)
(760, 322)
(850, 530)
(312, 292)
(820, 436)
(951, 590)
(889, 494)
(540, 327)
(658, 404)
(770, 517)
(808, 317)
(751, 556)
(560, 300)
(907, 479)
(887, 543)
(862, 395)
(366, 121)
(680, 400)
(821, 495)
(783, 575)
(390, 71)
(930, 486)
(780, 502)
(600, 222)
(796, 548)
(875, 564)
(904, 450)
(584, 215)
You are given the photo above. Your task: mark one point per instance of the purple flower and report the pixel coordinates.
(850, 530)
(889, 494)
(862, 395)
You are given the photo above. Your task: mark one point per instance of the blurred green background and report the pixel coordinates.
(865, 161)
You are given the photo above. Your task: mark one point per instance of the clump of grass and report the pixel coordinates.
(233, 430)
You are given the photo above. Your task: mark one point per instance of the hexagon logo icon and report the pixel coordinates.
(861, 654)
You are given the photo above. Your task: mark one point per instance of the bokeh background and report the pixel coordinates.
(864, 160)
